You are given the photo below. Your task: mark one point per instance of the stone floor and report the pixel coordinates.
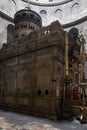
(16, 121)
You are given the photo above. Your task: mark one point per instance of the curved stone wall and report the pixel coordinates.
(65, 11)
(8, 7)
(70, 13)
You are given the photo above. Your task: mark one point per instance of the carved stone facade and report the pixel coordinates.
(32, 72)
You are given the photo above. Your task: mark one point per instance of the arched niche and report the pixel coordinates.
(24, 78)
(43, 81)
(58, 14)
(75, 10)
(10, 31)
(43, 14)
(9, 79)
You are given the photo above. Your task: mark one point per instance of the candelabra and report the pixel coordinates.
(83, 85)
(67, 82)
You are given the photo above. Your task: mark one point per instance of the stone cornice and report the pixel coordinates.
(74, 23)
(68, 25)
(5, 16)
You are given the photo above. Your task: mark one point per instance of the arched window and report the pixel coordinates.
(27, 8)
(75, 10)
(75, 5)
(10, 31)
(58, 14)
(46, 92)
(43, 14)
(39, 92)
(23, 26)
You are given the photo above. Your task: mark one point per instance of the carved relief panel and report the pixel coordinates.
(57, 77)
(24, 79)
(9, 77)
(43, 81)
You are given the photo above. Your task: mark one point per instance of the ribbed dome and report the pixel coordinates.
(26, 21)
(28, 15)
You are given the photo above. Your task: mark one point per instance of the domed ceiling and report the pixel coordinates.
(47, 1)
(65, 11)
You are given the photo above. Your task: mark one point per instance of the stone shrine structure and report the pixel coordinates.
(26, 21)
(32, 67)
(38, 74)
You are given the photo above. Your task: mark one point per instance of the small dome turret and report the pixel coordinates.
(26, 21)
